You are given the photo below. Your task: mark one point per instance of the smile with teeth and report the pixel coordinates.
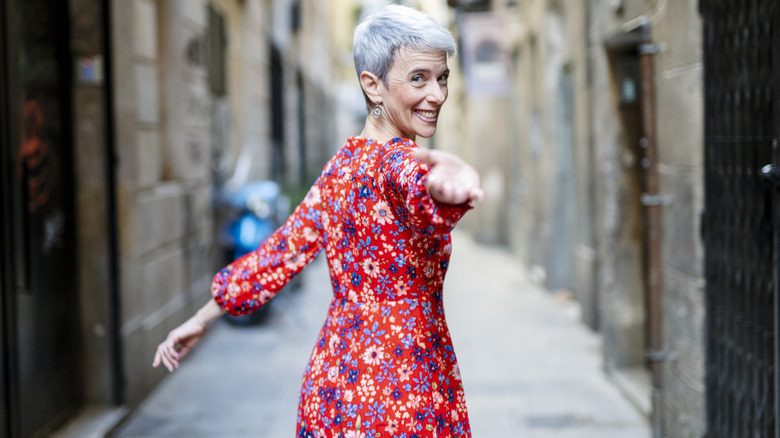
(428, 116)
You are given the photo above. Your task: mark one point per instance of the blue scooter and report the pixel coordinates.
(256, 210)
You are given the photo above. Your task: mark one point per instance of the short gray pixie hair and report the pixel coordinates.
(380, 36)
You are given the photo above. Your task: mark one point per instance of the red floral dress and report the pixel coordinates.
(383, 364)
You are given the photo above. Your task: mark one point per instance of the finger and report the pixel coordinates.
(165, 350)
(477, 194)
(168, 357)
(170, 363)
(173, 357)
(423, 155)
(160, 357)
(170, 346)
(156, 361)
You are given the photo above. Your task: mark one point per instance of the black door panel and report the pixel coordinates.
(42, 384)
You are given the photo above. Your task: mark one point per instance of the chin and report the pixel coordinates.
(427, 133)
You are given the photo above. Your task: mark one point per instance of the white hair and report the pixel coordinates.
(379, 37)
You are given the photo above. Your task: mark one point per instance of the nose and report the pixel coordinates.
(437, 94)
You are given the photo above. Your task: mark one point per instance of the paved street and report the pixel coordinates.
(530, 368)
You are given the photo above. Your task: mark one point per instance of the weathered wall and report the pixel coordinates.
(680, 100)
(485, 136)
(346, 88)
(163, 134)
(315, 63)
(176, 133)
(618, 178)
(546, 195)
(241, 115)
(571, 195)
(90, 146)
(304, 41)
(678, 81)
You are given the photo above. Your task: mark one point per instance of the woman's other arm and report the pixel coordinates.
(249, 282)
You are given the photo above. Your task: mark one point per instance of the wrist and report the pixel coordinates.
(204, 324)
(208, 313)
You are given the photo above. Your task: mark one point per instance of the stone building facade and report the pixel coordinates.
(563, 155)
(208, 92)
(162, 103)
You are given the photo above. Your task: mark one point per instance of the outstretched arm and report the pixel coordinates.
(185, 337)
(249, 282)
(450, 179)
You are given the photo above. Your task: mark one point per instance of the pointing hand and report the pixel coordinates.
(450, 179)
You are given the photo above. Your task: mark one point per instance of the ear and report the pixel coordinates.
(371, 85)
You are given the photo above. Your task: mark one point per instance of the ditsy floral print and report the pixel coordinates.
(383, 364)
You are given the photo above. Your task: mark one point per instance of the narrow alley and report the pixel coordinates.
(530, 368)
(619, 276)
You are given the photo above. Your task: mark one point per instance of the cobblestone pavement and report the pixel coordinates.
(530, 368)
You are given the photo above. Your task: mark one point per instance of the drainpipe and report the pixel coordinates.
(117, 384)
(652, 200)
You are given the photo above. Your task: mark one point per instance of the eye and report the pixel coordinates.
(417, 79)
(443, 79)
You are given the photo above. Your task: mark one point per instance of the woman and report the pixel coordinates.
(382, 210)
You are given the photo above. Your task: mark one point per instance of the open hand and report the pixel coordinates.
(179, 342)
(450, 180)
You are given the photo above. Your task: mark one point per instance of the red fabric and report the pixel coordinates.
(383, 364)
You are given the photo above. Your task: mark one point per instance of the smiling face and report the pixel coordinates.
(413, 92)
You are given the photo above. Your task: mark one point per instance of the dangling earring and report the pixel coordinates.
(377, 110)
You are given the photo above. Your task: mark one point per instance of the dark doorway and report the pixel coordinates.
(40, 354)
(626, 339)
(278, 161)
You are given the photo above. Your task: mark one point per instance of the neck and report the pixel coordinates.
(379, 130)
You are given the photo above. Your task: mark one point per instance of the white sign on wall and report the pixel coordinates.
(485, 58)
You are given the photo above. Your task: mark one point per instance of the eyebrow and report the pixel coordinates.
(427, 70)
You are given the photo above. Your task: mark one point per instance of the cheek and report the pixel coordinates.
(412, 99)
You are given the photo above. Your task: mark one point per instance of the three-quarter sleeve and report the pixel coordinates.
(251, 281)
(402, 179)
